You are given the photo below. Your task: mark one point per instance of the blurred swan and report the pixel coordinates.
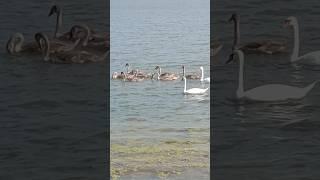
(137, 72)
(55, 9)
(166, 76)
(116, 75)
(193, 90)
(264, 46)
(202, 79)
(88, 40)
(309, 58)
(133, 77)
(16, 45)
(67, 56)
(189, 76)
(269, 92)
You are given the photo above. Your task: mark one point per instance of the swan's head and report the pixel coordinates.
(233, 17)
(127, 65)
(157, 67)
(201, 67)
(114, 75)
(290, 21)
(80, 32)
(231, 57)
(54, 9)
(14, 43)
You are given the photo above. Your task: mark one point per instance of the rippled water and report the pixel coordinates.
(53, 117)
(150, 116)
(265, 140)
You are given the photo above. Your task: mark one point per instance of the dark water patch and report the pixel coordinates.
(38, 104)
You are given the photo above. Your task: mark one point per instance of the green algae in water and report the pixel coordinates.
(170, 157)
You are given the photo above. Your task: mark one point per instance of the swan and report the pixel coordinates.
(190, 76)
(66, 56)
(264, 46)
(193, 90)
(202, 79)
(166, 76)
(133, 77)
(90, 39)
(137, 72)
(269, 92)
(67, 37)
(76, 30)
(116, 75)
(309, 58)
(55, 9)
(16, 45)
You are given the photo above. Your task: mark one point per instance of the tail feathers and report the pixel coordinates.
(310, 86)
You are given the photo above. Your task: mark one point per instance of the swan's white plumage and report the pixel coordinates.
(202, 79)
(193, 90)
(312, 58)
(269, 92)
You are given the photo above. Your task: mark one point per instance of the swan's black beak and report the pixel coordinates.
(233, 17)
(231, 57)
(53, 10)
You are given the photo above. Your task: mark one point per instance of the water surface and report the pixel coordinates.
(156, 131)
(53, 117)
(265, 140)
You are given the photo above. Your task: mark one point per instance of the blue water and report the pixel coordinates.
(170, 34)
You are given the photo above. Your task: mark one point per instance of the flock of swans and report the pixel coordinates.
(79, 45)
(271, 92)
(137, 75)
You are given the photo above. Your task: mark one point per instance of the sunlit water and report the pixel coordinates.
(53, 117)
(265, 140)
(152, 113)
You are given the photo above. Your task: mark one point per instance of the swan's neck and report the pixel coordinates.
(183, 72)
(46, 47)
(127, 69)
(158, 76)
(295, 52)
(236, 39)
(58, 22)
(18, 46)
(185, 85)
(87, 36)
(240, 90)
(202, 75)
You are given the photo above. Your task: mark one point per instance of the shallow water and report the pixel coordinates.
(151, 119)
(265, 140)
(53, 117)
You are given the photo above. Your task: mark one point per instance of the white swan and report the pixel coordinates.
(309, 58)
(193, 90)
(202, 79)
(269, 92)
